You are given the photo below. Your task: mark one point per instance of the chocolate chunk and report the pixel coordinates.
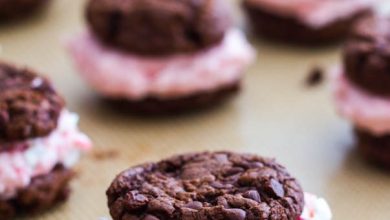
(274, 188)
(266, 192)
(252, 194)
(235, 214)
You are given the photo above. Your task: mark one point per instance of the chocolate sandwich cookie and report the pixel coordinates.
(305, 22)
(42, 193)
(151, 27)
(161, 56)
(361, 87)
(202, 100)
(39, 143)
(16, 9)
(200, 186)
(367, 56)
(375, 148)
(29, 106)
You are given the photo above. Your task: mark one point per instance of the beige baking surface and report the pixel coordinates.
(276, 116)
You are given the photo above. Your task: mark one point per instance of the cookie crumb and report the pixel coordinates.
(104, 154)
(315, 77)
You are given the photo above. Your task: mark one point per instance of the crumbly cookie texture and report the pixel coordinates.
(151, 27)
(218, 186)
(44, 192)
(29, 106)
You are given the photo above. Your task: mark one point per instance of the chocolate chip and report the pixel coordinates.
(252, 194)
(151, 217)
(275, 189)
(235, 214)
(222, 202)
(194, 205)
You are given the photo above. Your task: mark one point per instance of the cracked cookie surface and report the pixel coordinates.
(220, 185)
(150, 27)
(29, 105)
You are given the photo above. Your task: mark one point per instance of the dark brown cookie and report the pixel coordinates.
(43, 193)
(375, 148)
(367, 56)
(29, 106)
(289, 29)
(15, 9)
(155, 27)
(195, 102)
(218, 186)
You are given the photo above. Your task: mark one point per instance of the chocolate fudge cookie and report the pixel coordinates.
(150, 27)
(43, 193)
(29, 106)
(289, 28)
(15, 9)
(218, 186)
(195, 102)
(367, 56)
(375, 148)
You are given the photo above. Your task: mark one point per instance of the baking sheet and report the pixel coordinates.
(276, 115)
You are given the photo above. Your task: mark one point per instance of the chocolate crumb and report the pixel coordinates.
(315, 77)
(104, 154)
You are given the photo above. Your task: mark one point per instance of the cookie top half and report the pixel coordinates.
(17, 9)
(203, 186)
(29, 106)
(159, 27)
(367, 55)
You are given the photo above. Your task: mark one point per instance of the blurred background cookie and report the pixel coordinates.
(162, 56)
(362, 87)
(306, 22)
(18, 9)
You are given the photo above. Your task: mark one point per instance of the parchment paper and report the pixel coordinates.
(276, 115)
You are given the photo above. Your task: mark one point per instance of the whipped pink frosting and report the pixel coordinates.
(315, 208)
(124, 75)
(316, 13)
(62, 146)
(367, 111)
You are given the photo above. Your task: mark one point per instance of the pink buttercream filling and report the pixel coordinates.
(123, 75)
(367, 111)
(62, 146)
(316, 13)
